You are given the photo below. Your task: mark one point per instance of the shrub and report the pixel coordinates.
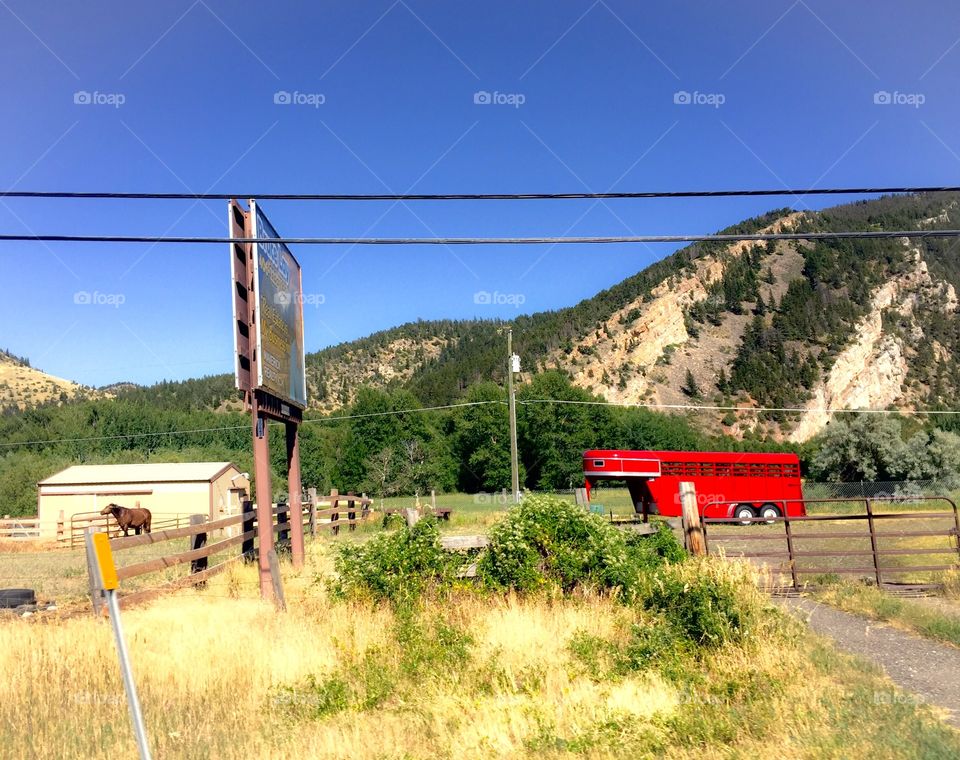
(547, 542)
(651, 551)
(393, 566)
(708, 604)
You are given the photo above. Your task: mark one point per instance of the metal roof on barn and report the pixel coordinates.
(172, 472)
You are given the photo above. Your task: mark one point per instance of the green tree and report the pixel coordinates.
(690, 386)
(481, 440)
(553, 437)
(865, 447)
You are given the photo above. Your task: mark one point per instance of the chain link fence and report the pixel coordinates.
(884, 489)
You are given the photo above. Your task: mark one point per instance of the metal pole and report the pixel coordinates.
(261, 469)
(873, 544)
(514, 465)
(294, 500)
(133, 701)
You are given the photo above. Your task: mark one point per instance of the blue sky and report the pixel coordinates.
(182, 98)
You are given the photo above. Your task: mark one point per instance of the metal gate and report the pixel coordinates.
(898, 547)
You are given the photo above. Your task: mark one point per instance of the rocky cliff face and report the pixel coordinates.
(871, 372)
(643, 352)
(873, 322)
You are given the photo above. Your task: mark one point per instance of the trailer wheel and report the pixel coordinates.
(744, 512)
(771, 512)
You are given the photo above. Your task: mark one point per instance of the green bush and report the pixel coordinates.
(393, 566)
(707, 606)
(549, 543)
(651, 551)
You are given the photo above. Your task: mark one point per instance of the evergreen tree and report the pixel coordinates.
(690, 386)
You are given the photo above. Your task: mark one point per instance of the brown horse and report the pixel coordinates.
(138, 518)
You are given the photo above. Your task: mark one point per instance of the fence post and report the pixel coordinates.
(873, 543)
(793, 561)
(364, 505)
(93, 573)
(283, 526)
(334, 515)
(246, 548)
(692, 527)
(198, 541)
(312, 500)
(278, 597)
(351, 511)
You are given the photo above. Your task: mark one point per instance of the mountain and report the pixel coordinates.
(759, 329)
(787, 325)
(22, 386)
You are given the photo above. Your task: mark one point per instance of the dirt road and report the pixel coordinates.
(927, 669)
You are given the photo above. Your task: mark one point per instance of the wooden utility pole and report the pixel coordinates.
(514, 461)
(692, 527)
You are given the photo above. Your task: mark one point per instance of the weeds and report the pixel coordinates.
(395, 567)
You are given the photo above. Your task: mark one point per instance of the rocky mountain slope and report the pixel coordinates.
(756, 337)
(775, 334)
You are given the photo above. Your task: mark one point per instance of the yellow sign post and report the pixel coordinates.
(100, 557)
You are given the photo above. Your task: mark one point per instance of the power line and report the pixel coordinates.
(189, 431)
(478, 196)
(447, 241)
(717, 408)
(414, 410)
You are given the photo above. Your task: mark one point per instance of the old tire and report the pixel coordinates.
(15, 597)
(743, 512)
(770, 512)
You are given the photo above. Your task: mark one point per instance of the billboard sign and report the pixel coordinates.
(278, 292)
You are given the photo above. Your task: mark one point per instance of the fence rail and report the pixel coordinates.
(213, 538)
(946, 522)
(20, 529)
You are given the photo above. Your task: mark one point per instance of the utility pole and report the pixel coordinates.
(513, 363)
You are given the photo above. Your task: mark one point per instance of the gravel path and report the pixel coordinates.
(929, 670)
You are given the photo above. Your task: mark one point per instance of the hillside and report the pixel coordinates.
(784, 326)
(847, 323)
(22, 386)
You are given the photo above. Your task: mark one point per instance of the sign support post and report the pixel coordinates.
(270, 365)
(98, 549)
(264, 495)
(294, 494)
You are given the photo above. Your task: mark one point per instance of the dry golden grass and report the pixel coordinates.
(212, 666)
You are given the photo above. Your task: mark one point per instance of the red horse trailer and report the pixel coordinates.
(728, 484)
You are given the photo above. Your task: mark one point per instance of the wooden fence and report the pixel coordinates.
(335, 511)
(21, 528)
(208, 538)
(73, 531)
